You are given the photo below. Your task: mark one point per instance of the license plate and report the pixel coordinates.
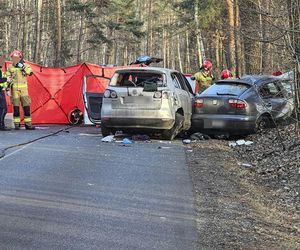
(213, 123)
(217, 124)
(138, 100)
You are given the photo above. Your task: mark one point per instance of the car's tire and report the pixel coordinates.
(105, 131)
(263, 122)
(170, 134)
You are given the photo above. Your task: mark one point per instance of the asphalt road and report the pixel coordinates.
(72, 191)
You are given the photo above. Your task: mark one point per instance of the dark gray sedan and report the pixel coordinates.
(242, 106)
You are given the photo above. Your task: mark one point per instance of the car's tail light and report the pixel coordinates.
(199, 103)
(157, 94)
(238, 104)
(110, 94)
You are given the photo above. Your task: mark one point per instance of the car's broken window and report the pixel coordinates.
(270, 90)
(234, 89)
(137, 79)
(288, 87)
(176, 81)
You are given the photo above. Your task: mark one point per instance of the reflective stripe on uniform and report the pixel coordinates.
(17, 119)
(16, 85)
(27, 119)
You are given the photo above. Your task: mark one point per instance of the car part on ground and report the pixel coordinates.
(75, 116)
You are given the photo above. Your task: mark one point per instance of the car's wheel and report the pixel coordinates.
(263, 123)
(105, 130)
(169, 134)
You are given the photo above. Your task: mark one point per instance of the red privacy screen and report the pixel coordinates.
(55, 92)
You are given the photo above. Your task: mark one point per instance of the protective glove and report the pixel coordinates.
(9, 79)
(8, 93)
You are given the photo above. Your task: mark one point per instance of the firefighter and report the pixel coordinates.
(204, 77)
(3, 107)
(226, 74)
(19, 71)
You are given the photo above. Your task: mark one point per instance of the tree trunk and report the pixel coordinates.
(231, 21)
(294, 38)
(179, 54)
(80, 36)
(262, 38)
(239, 58)
(58, 34)
(149, 29)
(200, 46)
(164, 46)
(217, 48)
(38, 31)
(188, 60)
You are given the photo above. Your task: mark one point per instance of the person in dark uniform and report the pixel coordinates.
(3, 106)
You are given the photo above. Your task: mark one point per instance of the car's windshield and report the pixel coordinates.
(137, 79)
(228, 88)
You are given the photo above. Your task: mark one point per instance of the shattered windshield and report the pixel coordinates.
(137, 79)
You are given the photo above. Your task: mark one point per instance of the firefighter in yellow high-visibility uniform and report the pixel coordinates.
(19, 71)
(204, 77)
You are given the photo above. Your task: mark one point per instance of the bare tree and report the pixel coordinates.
(58, 34)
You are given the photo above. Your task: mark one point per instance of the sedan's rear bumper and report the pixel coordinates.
(220, 124)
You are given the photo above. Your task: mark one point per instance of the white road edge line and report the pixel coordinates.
(12, 153)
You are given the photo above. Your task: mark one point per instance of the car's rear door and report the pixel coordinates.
(93, 88)
(287, 89)
(183, 94)
(274, 100)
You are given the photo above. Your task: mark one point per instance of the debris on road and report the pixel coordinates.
(245, 165)
(275, 160)
(199, 137)
(145, 138)
(186, 141)
(235, 202)
(240, 143)
(109, 138)
(162, 147)
(126, 141)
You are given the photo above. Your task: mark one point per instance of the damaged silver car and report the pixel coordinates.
(147, 99)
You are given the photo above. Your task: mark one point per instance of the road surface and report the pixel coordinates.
(72, 191)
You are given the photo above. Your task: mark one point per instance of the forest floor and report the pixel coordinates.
(246, 198)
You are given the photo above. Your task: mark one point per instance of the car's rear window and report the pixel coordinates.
(137, 79)
(227, 88)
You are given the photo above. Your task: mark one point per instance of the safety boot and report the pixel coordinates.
(3, 128)
(17, 126)
(29, 127)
